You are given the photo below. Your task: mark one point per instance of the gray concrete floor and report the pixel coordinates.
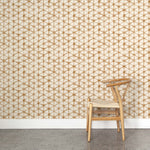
(73, 140)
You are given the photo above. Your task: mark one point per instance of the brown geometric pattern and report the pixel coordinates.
(54, 54)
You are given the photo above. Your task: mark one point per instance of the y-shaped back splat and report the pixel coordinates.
(113, 84)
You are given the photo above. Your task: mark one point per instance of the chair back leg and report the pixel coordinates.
(87, 120)
(117, 111)
(118, 123)
(121, 112)
(122, 123)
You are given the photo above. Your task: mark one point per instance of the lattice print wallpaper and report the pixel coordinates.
(54, 54)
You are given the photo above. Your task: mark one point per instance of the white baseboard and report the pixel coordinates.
(69, 124)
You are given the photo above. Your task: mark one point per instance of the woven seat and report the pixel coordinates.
(116, 104)
(104, 104)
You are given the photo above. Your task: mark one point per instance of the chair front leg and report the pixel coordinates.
(90, 122)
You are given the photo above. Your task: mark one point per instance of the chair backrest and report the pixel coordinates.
(113, 84)
(116, 82)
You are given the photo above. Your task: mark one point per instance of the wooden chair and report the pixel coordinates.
(116, 103)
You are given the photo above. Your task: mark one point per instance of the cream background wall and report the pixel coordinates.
(54, 54)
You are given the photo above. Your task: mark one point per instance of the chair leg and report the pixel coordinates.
(122, 123)
(87, 120)
(121, 112)
(118, 124)
(90, 122)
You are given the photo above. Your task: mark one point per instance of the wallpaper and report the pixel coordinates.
(55, 53)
